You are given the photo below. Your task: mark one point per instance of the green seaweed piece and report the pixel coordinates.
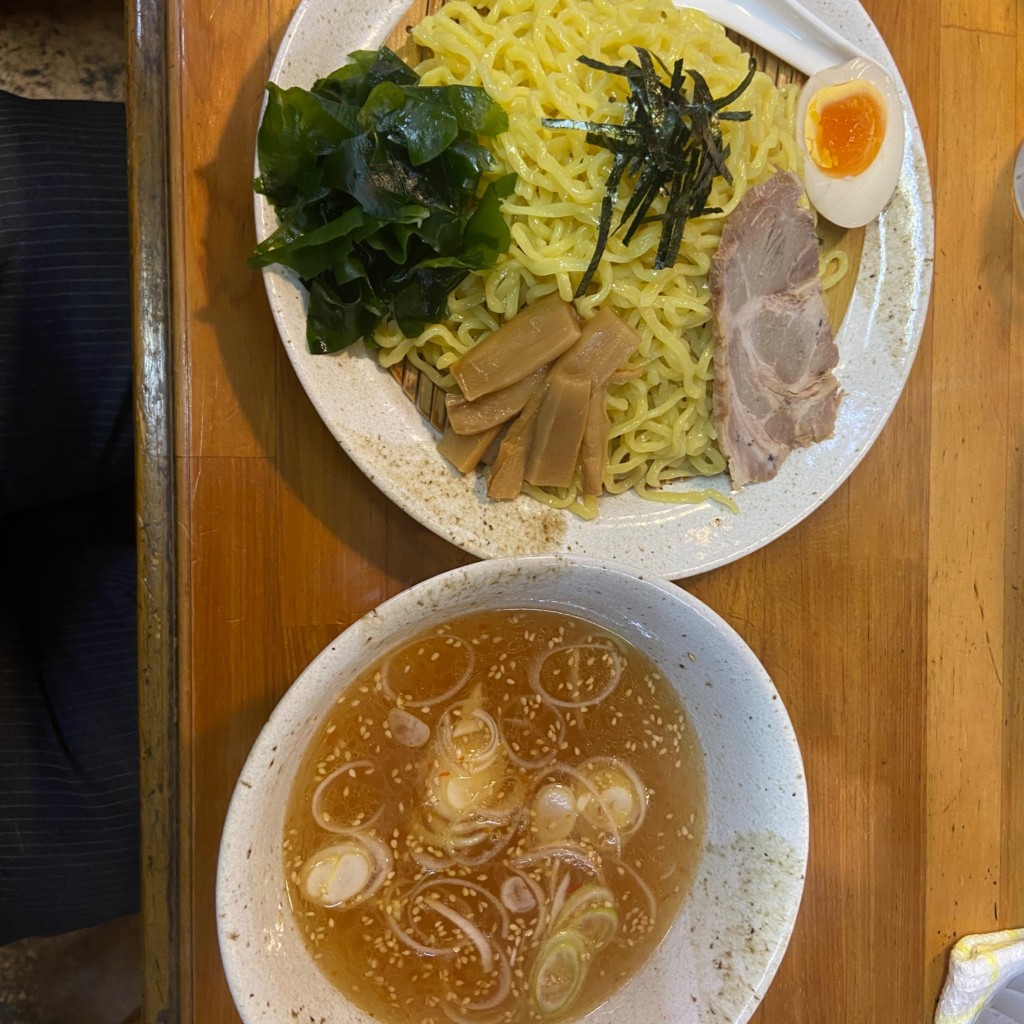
(376, 182)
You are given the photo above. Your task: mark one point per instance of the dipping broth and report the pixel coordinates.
(497, 822)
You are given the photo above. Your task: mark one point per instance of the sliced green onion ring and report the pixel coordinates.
(346, 873)
(597, 691)
(591, 911)
(559, 973)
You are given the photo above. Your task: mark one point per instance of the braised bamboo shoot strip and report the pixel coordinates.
(509, 469)
(668, 143)
(466, 417)
(464, 451)
(604, 346)
(557, 424)
(531, 339)
(594, 446)
(561, 420)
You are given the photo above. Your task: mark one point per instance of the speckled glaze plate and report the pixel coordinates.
(395, 447)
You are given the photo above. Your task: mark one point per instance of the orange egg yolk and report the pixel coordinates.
(844, 128)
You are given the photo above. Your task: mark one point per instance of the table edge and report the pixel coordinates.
(156, 534)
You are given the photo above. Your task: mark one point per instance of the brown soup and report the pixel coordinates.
(498, 822)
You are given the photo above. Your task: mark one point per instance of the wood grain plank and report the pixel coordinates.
(256, 623)
(892, 619)
(865, 782)
(210, 418)
(999, 16)
(854, 700)
(331, 516)
(1011, 895)
(335, 519)
(911, 32)
(228, 336)
(969, 489)
(237, 671)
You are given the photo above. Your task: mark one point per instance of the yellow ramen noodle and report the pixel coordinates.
(524, 53)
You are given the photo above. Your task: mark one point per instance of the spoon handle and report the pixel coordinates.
(784, 28)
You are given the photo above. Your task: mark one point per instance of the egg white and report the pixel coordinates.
(857, 199)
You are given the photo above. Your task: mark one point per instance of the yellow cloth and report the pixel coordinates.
(978, 965)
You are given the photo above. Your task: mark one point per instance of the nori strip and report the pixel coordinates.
(669, 143)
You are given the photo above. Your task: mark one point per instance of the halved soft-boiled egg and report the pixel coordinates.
(850, 121)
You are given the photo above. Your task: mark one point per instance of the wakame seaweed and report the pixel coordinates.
(668, 143)
(376, 183)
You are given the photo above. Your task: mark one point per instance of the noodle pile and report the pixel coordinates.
(523, 52)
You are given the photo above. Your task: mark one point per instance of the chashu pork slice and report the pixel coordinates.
(774, 353)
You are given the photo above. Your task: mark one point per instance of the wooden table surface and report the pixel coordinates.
(892, 619)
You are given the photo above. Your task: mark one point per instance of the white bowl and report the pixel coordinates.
(721, 953)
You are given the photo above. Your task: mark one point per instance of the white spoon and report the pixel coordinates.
(783, 28)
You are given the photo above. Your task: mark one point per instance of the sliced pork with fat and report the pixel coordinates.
(774, 389)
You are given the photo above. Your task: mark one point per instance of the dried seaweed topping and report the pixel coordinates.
(668, 143)
(376, 180)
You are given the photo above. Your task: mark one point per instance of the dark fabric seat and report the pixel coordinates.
(69, 844)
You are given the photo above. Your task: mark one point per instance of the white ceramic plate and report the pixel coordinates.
(395, 447)
(722, 951)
